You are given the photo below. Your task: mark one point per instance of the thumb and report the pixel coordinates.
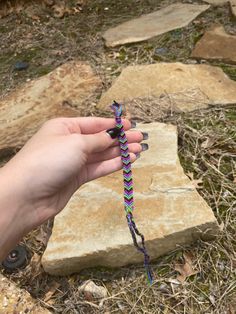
(99, 142)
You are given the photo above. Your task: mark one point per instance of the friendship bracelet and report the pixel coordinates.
(128, 190)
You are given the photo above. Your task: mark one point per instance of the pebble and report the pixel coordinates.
(160, 51)
(20, 65)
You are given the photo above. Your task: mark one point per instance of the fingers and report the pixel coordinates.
(132, 137)
(103, 168)
(91, 125)
(113, 152)
(98, 142)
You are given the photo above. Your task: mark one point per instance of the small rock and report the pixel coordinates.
(19, 66)
(160, 51)
(89, 287)
(147, 26)
(191, 61)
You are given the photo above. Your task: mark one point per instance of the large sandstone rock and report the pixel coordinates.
(153, 24)
(92, 229)
(216, 44)
(23, 111)
(16, 300)
(205, 85)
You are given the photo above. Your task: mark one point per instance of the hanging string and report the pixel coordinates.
(128, 191)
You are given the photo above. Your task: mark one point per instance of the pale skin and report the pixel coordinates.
(37, 183)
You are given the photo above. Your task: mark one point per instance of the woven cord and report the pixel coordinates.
(128, 190)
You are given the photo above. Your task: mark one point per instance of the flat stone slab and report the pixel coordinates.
(50, 96)
(149, 25)
(92, 229)
(216, 44)
(16, 300)
(188, 86)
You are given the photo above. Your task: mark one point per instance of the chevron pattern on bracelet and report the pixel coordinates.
(128, 189)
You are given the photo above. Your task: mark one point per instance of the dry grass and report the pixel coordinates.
(207, 150)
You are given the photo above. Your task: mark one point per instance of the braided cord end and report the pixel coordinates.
(117, 108)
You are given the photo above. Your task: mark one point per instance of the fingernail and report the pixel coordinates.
(144, 147)
(133, 124)
(114, 132)
(137, 155)
(145, 135)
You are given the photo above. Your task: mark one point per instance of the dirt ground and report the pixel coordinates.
(207, 150)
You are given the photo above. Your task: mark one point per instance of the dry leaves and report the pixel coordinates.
(186, 270)
(59, 7)
(34, 269)
(53, 288)
(92, 291)
(208, 142)
(9, 7)
(44, 234)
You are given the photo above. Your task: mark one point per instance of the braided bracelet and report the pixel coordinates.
(128, 190)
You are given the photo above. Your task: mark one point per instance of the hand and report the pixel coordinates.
(64, 154)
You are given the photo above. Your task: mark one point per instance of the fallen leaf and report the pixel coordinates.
(34, 266)
(174, 281)
(186, 269)
(196, 182)
(8, 7)
(232, 309)
(212, 299)
(55, 285)
(59, 11)
(214, 151)
(43, 235)
(35, 18)
(221, 226)
(91, 290)
(49, 2)
(208, 142)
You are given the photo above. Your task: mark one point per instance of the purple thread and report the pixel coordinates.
(128, 190)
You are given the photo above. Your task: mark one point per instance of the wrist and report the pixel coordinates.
(14, 215)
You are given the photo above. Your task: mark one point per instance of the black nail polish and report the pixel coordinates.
(114, 132)
(133, 124)
(144, 146)
(145, 135)
(137, 155)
